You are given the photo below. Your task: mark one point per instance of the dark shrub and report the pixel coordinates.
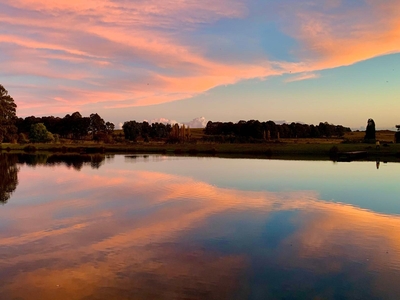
(334, 152)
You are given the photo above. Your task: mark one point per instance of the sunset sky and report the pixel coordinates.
(225, 60)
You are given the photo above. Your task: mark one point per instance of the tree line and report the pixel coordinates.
(94, 127)
(156, 131)
(74, 126)
(77, 127)
(244, 131)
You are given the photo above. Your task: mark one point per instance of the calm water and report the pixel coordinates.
(157, 227)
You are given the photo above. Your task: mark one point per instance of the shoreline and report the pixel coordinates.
(272, 150)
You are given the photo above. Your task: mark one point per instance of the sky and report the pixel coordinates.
(305, 61)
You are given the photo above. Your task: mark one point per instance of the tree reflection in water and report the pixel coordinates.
(76, 161)
(9, 167)
(8, 176)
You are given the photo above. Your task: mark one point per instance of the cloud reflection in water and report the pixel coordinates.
(134, 234)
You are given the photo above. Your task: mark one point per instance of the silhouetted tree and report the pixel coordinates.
(159, 130)
(52, 123)
(314, 131)
(97, 124)
(145, 131)
(326, 129)
(254, 129)
(8, 117)
(244, 131)
(110, 127)
(272, 128)
(284, 131)
(131, 130)
(24, 125)
(72, 126)
(78, 125)
(211, 128)
(370, 130)
(340, 130)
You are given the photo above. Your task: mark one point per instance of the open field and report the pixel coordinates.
(384, 136)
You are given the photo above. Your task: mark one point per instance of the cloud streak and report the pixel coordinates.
(302, 76)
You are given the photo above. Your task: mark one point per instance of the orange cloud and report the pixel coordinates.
(347, 36)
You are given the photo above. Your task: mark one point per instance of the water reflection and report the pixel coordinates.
(117, 233)
(76, 161)
(9, 167)
(8, 176)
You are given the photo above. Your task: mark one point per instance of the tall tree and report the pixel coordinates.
(132, 130)
(370, 130)
(8, 116)
(97, 124)
(110, 127)
(79, 126)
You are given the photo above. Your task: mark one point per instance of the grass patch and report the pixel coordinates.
(313, 148)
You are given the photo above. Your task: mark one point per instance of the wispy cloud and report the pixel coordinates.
(302, 76)
(130, 53)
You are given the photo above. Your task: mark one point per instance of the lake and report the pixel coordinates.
(164, 227)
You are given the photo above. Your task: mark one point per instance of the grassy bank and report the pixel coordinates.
(284, 149)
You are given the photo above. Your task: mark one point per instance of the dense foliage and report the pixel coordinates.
(40, 134)
(8, 117)
(133, 130)
(244, 131)
(71, 126)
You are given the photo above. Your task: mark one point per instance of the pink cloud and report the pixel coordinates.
(109, 34)
(346, 36)
(131, 53)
